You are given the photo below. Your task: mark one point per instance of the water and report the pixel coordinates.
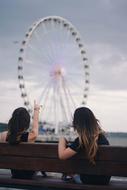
(117, 139)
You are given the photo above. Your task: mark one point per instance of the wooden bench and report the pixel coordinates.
(44, 157)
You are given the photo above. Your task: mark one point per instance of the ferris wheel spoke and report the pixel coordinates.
(70, 95)
(45, 98)
(45, 89)
(75, 75)
(74, 83)
(49, 56)
(53, 44)
(55, 109)
(32, 63)
(84, 83)
(69, 103)
(39, 53)
(41, 38)
(50, 47)
(63, 107)
(59, 39)
(78, 90)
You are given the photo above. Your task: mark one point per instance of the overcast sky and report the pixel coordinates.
(102, 25)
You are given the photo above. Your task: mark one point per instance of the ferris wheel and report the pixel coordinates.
(53, 69)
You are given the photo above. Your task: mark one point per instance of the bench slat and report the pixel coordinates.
(69, 166)
(50, 150)
(58, 184)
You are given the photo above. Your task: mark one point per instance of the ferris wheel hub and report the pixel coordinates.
(57, 72)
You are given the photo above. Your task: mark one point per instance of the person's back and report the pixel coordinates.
(89, 137)
(96, 179)
(23, 174)
(17, 133)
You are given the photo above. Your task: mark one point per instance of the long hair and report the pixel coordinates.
(18, 123)
(88, 129)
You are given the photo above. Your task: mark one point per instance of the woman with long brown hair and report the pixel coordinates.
(90, 135)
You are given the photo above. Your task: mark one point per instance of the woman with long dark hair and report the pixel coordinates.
(18, 126)
(90, 135)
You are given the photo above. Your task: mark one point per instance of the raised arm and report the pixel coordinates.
(34, 131)
(64, 152)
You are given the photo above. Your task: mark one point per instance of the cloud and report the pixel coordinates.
(108, 67)
(110, 107)
(9, 98)
(102, 24)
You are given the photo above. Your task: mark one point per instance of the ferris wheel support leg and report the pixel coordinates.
(71, 129)
(56, 129)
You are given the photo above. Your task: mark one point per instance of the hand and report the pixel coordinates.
(36, 106)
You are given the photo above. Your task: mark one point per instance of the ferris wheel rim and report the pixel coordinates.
(28, 35)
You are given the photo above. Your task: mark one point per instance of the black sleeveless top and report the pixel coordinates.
(23, 174)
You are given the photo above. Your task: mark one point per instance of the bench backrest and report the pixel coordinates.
(44, 157)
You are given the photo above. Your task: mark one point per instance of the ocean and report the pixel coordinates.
(117, 139)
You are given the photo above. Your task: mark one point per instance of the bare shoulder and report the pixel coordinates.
(3, 136)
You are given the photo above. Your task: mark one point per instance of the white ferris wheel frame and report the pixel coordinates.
(77, 39)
